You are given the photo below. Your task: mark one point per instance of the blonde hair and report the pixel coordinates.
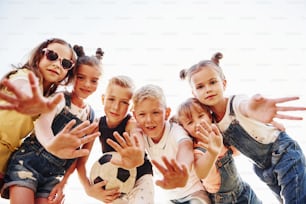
(149, 91)
(122, 81)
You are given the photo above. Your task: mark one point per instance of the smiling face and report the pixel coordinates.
(116, 103)
(151, 116)
(53, 71)
(207, 85)
(86, 80)
(192, 113)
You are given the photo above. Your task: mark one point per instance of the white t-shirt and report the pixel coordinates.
(261, 132)
(168, 146)
(81, 113)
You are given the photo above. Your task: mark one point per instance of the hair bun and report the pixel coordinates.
(216, 58)
(99, 53)
(79, 50)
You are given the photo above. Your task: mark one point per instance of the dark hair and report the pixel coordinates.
(33, 62)
(83, 59)
(214, 61)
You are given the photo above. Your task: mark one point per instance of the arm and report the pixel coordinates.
(27, 97)
(176, 171)
(64, 145)
(94, 190)
(210, 139)
(57, 195)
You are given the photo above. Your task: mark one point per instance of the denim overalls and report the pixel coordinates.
(43, 168)
(233, 189)
(281, 165)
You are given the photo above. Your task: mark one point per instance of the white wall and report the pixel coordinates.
(263, 42)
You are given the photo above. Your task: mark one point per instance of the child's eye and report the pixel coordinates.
(213, 82)
(199, 86)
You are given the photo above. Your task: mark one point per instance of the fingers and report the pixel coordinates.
(286, 99)
(8, 98)
(216, 130)
(290, 108)
(278, 125)
(89, 138)
(80, 153)
(69, 125)
(10, 87)
(159, 167)
(34, 86)
(55, 100)
(288, 117)
(114, 145)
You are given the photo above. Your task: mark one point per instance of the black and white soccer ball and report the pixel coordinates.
(103, 169)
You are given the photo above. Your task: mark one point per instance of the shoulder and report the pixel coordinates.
(19, 74)
(238, 99)
(178, 131)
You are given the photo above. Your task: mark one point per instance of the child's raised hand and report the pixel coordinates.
(209, 137)
(265, 109)
(66, 143)
(132, 155)
(25, 103)
(174, 175)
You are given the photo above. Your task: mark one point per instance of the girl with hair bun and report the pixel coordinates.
(247, 124)
(33, 171)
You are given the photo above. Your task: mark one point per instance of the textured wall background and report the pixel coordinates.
(263, 42)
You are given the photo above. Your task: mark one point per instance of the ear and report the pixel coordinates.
(102, 98)
(224, 84)
(168, 112)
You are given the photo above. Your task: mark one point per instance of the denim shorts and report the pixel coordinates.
(33, 167)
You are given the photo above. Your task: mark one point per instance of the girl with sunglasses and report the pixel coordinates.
(33, 171)
(32, 83)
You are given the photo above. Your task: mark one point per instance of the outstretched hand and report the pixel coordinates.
(265, 109)
(33, 104)
(132, 155)
(174, 175)
(209, 137)
(66, 143)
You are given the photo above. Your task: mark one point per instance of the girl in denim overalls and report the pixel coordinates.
(35, 173)
(220, 177)
(246, 125)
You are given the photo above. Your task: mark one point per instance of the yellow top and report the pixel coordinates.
(14, 127)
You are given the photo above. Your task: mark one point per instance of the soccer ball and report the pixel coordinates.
(115, 176)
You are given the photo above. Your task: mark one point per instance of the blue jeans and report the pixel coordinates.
(281, 165)
(233, 189)
(33, 167)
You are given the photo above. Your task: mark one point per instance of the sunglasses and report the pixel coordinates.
(53, 56)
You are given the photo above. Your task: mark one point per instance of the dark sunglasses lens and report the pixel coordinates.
(51, 55)
(67, 64)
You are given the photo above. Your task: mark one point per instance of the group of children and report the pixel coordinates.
(191, 152)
